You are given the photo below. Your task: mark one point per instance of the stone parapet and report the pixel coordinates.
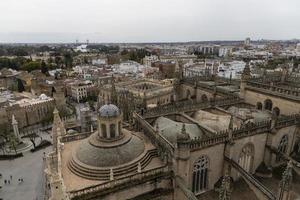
(188, 105)
(126, 181)
(287, 93)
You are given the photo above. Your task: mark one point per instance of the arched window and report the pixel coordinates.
(268, 104)
(112, 129)
(276, 111)
(259, 106)
(200, 175)
(204, 98)
(103, 130)
(246, 157)
(282, 147)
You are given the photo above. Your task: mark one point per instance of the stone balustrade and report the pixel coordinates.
(121, 182)
(244, 131)
(155, 137)
(198, 143)
(69, 138)
(188, 105)
(285, 92)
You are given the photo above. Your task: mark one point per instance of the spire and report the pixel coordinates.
(183, 131)
(139, 167)
(180, 69)
(246, 72)
(183, 136)
(111, 174)
(225, 190)
(15, 128)
(230, 126)
(114, 96)
(286, 180)
(14, 121)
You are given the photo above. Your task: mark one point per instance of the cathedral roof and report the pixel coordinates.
(171, 129)
(109, 110)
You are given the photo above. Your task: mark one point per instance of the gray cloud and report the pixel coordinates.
(147, 20)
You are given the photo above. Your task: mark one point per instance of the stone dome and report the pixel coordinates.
(109, 110)
(110, 156)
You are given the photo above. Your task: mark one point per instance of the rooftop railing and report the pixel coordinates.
(129, 180)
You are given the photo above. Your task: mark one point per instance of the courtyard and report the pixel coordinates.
(30, 168)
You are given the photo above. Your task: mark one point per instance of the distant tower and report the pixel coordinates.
(87, 42)
(247, 41)
(284, 73)
(246, 75)
(85, 119)
(58, 94)
(15, 128)
(114, 95)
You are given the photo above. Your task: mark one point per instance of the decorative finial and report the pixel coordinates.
(111, 174)
(230, 126)
(183, 130)
(287, 175)
(225, 190)
(55, 111)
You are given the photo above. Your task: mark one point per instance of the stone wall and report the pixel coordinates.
(286, 107)
(258, 141)
(216, 161)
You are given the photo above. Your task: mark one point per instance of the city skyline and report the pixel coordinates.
(33, 21)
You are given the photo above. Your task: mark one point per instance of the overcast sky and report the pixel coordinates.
(147, 20)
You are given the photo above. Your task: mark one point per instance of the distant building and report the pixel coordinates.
(167, 69)
(81, 90)
(247, 41)
(298, 48)
(27, 109)
(148, 60)
(8, 78)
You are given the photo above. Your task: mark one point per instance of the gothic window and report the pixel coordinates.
(200, 175)
(282, 147)
(112, 129)
(259, 106)
(246, 157)
(268, 104)
(103, 130)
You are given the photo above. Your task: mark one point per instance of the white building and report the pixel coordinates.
(79, 91)
(148, 60)
(298, 48)
(129, 67)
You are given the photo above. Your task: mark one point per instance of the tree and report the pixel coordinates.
(44, 68)
(58, 61)
(32, 65)
(68, 60)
